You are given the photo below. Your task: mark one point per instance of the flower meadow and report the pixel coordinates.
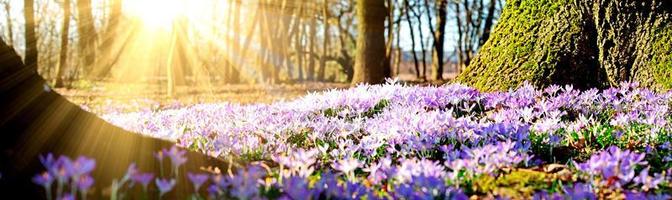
(396, 141)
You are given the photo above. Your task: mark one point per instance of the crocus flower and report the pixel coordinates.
(177, 156)
(347, 165)
(61, 169)
(44, 179)
(81, 166)
(142, 178)
(165, 185)
(197, 180)
(84, 183)
(67, 197)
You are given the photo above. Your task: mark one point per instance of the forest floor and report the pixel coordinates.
(109, 99)
(102, 98)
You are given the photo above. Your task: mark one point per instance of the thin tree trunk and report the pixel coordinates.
(418, 16)
(312, 35)
(290, 37)
(345, 59)
(489, 20)
(30, 38)
(460, 38)
(300, 52)
(281, 41)
(468, 30)
(109, 46)
(242, 55)
(179, 66)
(63, 56)
(390, 31)
(234, 68)
(10, 31)
(325, 41)
(87, 35)
(410, 28)
(399, 52)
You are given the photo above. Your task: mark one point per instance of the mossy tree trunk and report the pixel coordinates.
(588, 43)
(370, 63)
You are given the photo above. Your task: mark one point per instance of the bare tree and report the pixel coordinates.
(312, 38)
(110, 47)
(474, 20)
(63, 56)
(489, 20)
(418, 16)
(30, 38)
(439, 36)
(87, 35)
(407, 9)
(10, 31)
(325, 40)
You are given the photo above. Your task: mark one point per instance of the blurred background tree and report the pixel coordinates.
(173, 45)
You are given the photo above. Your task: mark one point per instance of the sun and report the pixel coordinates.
(158, 14)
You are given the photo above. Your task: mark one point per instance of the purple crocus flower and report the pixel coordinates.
(67, 196)
(296, 187)
(647, 181)
(177, 156)
(48, 161)
(197, 180)
(580, 191)
(214, 191)
(142, 178)
(81, 166)
(84, 183)
(61, 170)
(45, 179)
(347, 165)
(613, 164)
(165, 185)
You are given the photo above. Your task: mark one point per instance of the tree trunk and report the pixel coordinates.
(87, 35)
(418, 16)
(10, 31)
(439, 39)
(233, 75)
(63, 56)
(179, 66)
(109, 47)
(593, 43)
(370, 63)
(390, 31)
(32, 115)
(488, 22)
(325, 41)
(30, 38)
(312, 38)
(410, 27)
(399, 51)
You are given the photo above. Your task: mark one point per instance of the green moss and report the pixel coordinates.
(515, 52)
(560, 42)
(662, 57)
(299, 139)
(518, 183)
